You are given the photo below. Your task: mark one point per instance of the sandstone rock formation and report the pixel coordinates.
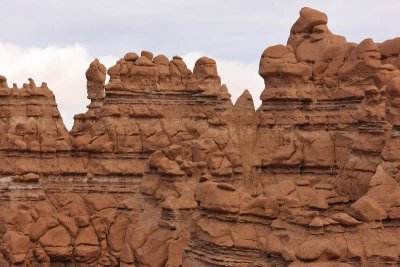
(163, 170)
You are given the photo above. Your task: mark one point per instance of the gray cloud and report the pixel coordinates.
(235, 29)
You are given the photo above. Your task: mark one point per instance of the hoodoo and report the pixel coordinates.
(163, 170)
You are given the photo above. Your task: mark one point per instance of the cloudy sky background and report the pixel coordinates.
(54, 41)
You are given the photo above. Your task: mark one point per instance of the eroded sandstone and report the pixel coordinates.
(163, 170)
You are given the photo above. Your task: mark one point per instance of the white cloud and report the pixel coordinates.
(63, 68)
(237, 75)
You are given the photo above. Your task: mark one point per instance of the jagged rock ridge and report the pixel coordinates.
(163, 170)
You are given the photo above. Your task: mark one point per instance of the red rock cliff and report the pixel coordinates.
(163, 170)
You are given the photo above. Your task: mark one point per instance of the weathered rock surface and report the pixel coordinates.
(163, 170)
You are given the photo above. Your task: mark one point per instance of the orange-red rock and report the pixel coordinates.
(164, 170)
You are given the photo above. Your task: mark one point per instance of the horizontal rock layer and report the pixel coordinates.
(163, 170)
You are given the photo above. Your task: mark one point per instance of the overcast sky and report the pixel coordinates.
(54, 41)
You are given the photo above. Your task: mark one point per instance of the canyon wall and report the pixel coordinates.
(163, 170)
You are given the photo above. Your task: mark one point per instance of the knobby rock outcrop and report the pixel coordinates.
(163, 170)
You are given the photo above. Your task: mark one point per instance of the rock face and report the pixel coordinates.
(33, 136)
(163, 170)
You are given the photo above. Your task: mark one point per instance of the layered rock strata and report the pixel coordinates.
(323, 185)
(319, 107)
(150, 103)
(33, 136)
(163, 170)
(135, 158)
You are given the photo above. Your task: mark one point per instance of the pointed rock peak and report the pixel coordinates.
(31, 83)
(95, 66)
(245, 100)
(367, 45)
(223, 93)
(246, 95)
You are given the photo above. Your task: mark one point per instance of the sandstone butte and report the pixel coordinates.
(163, 170)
